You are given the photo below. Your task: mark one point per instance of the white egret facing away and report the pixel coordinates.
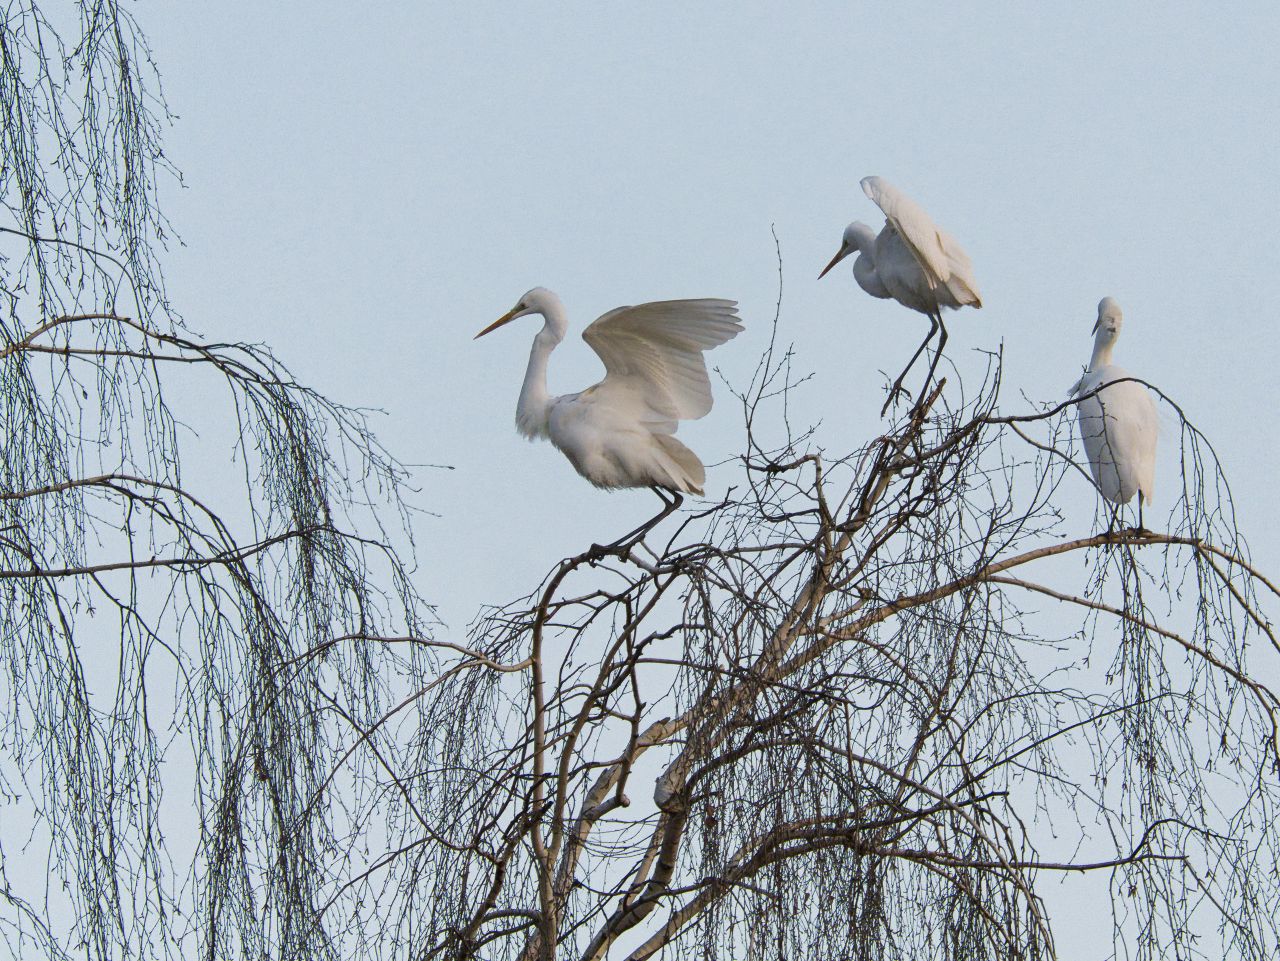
(1118, 423)
(620, 432)
(912, 261)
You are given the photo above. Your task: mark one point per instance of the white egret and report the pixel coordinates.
(1118, 423)
(912, 261)
(620, 432)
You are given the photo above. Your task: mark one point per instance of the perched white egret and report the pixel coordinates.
(912, 261)
(620, 432)
(1118, 423)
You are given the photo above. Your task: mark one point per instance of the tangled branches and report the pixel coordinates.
(255, 633)
(837, 714)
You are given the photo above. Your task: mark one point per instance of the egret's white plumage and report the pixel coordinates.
(912, 260)
(1118, 424)
(620, 432)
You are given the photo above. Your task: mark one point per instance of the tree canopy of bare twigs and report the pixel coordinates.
(824, 718)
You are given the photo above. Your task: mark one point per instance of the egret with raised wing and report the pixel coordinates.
(621, 431)
(912, 260)
(1117, 419)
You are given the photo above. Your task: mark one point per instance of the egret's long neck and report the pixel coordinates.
(1103, 344)
(864, 239)
(535, 402)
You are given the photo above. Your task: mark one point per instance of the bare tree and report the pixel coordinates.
(158, 631)
(836, 715)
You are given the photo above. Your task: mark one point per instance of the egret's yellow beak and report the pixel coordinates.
(505, 318)
(840, 255)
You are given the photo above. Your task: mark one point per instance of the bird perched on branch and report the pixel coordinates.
(912, 260)
(1118, 421)
(620, 432)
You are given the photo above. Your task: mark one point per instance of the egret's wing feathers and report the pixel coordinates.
(1134, 427)
(916, 228)
(939, 255)
(653, 353)
(1119, 426)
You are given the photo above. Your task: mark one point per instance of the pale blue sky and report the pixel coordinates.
(370, 184)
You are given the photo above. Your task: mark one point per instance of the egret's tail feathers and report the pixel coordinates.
(681, 464)
(968, 296)
(962, 289)
(962, 286)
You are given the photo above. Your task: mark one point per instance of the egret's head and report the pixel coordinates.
(1110, 318)
(536, 301)
(857, 237)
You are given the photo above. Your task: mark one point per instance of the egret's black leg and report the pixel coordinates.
(942, 342)
(623, 544)
(897, 387)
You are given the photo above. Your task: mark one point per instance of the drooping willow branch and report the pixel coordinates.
(273, 620)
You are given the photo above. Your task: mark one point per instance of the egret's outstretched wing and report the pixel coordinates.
(937, 252)
(914, 225)
(653, 352)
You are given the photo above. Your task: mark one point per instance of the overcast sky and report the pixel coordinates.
(367, 185)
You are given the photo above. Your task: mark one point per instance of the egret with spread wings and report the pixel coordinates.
(621, 431)
(912, 261)
(1117, 419)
